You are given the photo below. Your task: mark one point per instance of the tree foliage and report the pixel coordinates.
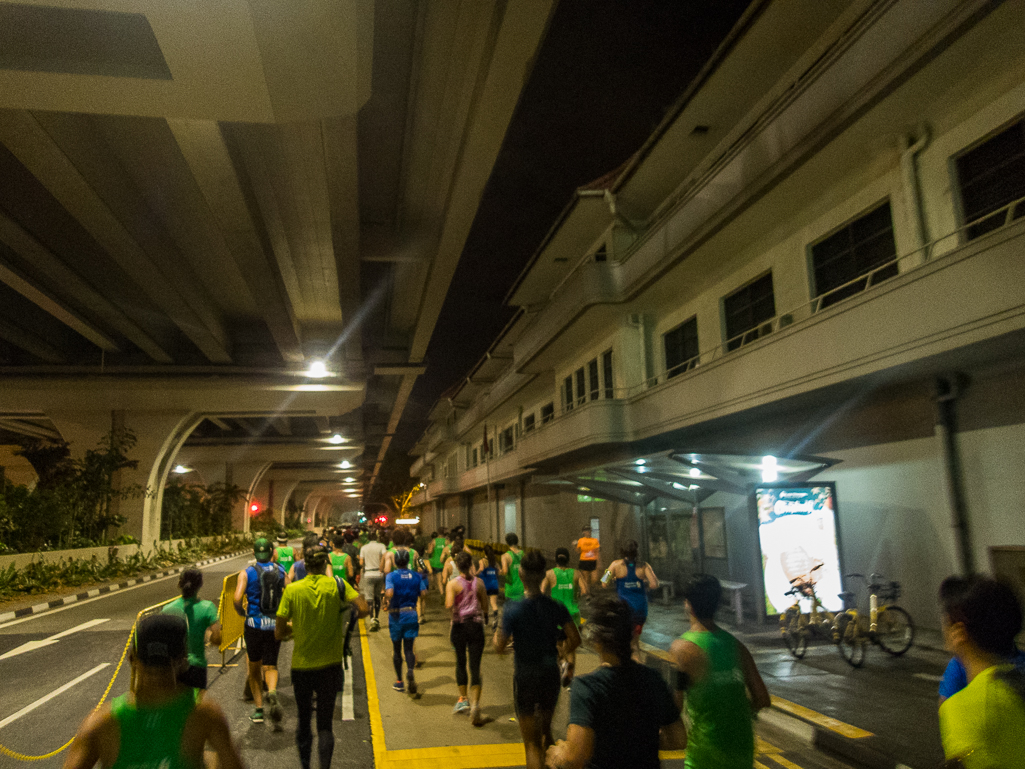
(194, 510)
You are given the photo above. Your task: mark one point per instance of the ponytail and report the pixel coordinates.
(629, 551)
(190, 581)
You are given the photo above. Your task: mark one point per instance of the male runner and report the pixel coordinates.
(589, 548)
(511, 568)
(372, 584)
(283, 554)
(721, 683)
(341, 565)
(261, 647)
(403, 588)
(159, 723)
(436, 550)
(564, 583)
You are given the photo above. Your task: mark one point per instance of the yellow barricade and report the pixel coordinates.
(232, 625)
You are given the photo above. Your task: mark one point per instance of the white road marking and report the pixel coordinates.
(928, 677)
(113, 593)
(55, 693)
(33, 645)
(348, 713)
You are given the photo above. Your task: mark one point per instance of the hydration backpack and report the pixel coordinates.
(272, 585)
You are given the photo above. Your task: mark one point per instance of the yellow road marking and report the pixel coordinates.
(834, 725)
(764, 746)
(759, 765)
(786, 762)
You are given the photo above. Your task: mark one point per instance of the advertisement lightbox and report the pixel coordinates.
(797, 532)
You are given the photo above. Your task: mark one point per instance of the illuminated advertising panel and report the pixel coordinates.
(797, 532)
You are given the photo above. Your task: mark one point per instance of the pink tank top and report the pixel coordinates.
(467, 608)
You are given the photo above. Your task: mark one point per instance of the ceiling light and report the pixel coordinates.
(345, 464)
(769, 470)
(640, 462)
(350, 479)
(182, 469)
(336, 439)
(694, 472)
(317, 370)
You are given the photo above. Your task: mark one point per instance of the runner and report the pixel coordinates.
(564, 583)
(261, 585)
(298, 570)
(370, 557)
(589, 548)
(315, 611)
(284, 555)
(511, 568)
(436, 549)
(341, 565)
(352, 551)
(200, 616)
(618, 713)
(466, 598)
(633, 581)
(535, 623)
(717, 673)
(422, 567)
(488, 570)
(159, 723)
(450, 571)
(403, 587)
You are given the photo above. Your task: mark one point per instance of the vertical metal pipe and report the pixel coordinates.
(947, 391)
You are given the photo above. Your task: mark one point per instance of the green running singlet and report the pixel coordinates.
(338, 564)
(151, 737)
(514, 587)
(564, 592)
(286, 557)
(439, 546)
(722, 732)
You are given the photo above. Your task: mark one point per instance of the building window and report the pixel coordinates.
(506, 439)
(681, 346)
(547, 413)
(473, 457)
(581, 389)
(991, 176)
(606, 371)
(528, 423)
(851, 253)
(592, 378)
(567, 394)
(748, 311)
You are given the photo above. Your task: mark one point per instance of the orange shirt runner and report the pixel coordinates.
(588, 547)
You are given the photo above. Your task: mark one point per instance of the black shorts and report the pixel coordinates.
(193, 676)
(536, 690)
(492, 591)
(261, 646)
(587, 565)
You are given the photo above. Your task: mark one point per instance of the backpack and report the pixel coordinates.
(272, 585)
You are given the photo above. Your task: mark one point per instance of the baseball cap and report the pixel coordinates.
(262, 550)
(160, 639)
(282, 538)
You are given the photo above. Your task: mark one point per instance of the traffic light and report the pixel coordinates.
(254, 508)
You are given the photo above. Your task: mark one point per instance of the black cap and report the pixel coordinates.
(161, 639)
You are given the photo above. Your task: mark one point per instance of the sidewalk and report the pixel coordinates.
(884, 714)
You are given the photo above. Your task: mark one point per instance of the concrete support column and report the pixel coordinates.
(247, 475)
(285, 489)
(159, 434)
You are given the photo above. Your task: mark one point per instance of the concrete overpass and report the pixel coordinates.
(230, 226)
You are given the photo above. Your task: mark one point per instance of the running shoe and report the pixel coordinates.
(476, 717)
(461, 706)
(257, 716)
(274, 709)
(410, 682)
(567, 674)
(375, 624)
(399, 686)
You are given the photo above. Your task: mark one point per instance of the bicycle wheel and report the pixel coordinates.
(794, 636)
(894, 630)
(850, 642)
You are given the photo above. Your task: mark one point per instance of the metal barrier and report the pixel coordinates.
(232, 625)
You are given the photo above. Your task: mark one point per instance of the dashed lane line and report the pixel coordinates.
(55, 693)
(348, 709)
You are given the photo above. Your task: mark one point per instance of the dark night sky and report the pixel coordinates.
(604, 78)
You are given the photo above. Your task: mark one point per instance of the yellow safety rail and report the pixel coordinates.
(4, 750)
(232, 625)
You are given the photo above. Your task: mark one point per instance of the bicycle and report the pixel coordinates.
(796, 626)
(889, 626)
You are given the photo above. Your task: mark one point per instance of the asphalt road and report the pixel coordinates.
(74, 670)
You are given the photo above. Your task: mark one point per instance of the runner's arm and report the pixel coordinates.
(215, 634)
(572, 637)
(348, 569)
(506, 563)
(674, 736)
(753, 679)
(84, 752)
(546, 583)
(652, 579)
(574, 752)
(282, 629)
(581, 583)
(482, 599)
(219, 736)
(240, 591)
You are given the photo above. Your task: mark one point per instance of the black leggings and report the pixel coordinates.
(468, 636)
(396, 657)
(326, 683)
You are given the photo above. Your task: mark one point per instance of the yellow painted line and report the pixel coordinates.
(668, 754)
(764, 746)
(834, 725)
(786, 762)
(759, 765)
(373, 702)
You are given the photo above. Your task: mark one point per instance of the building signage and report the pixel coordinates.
(797, 532)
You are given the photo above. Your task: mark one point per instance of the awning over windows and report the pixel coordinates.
(686, 476)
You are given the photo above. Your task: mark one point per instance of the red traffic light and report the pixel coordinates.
(254, 508)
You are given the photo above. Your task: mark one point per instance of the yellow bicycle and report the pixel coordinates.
(797, 627)
(889, 626)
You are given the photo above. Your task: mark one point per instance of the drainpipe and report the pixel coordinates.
(948, 389)
(909, 177)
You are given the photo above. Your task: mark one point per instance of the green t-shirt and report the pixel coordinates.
(318, 620)
(721, 728)
(514, 587)
(151, 737)
(564, 591)
(439, 547)
(984, 723)
(200, 615)
(286, 557)
(338, 564)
